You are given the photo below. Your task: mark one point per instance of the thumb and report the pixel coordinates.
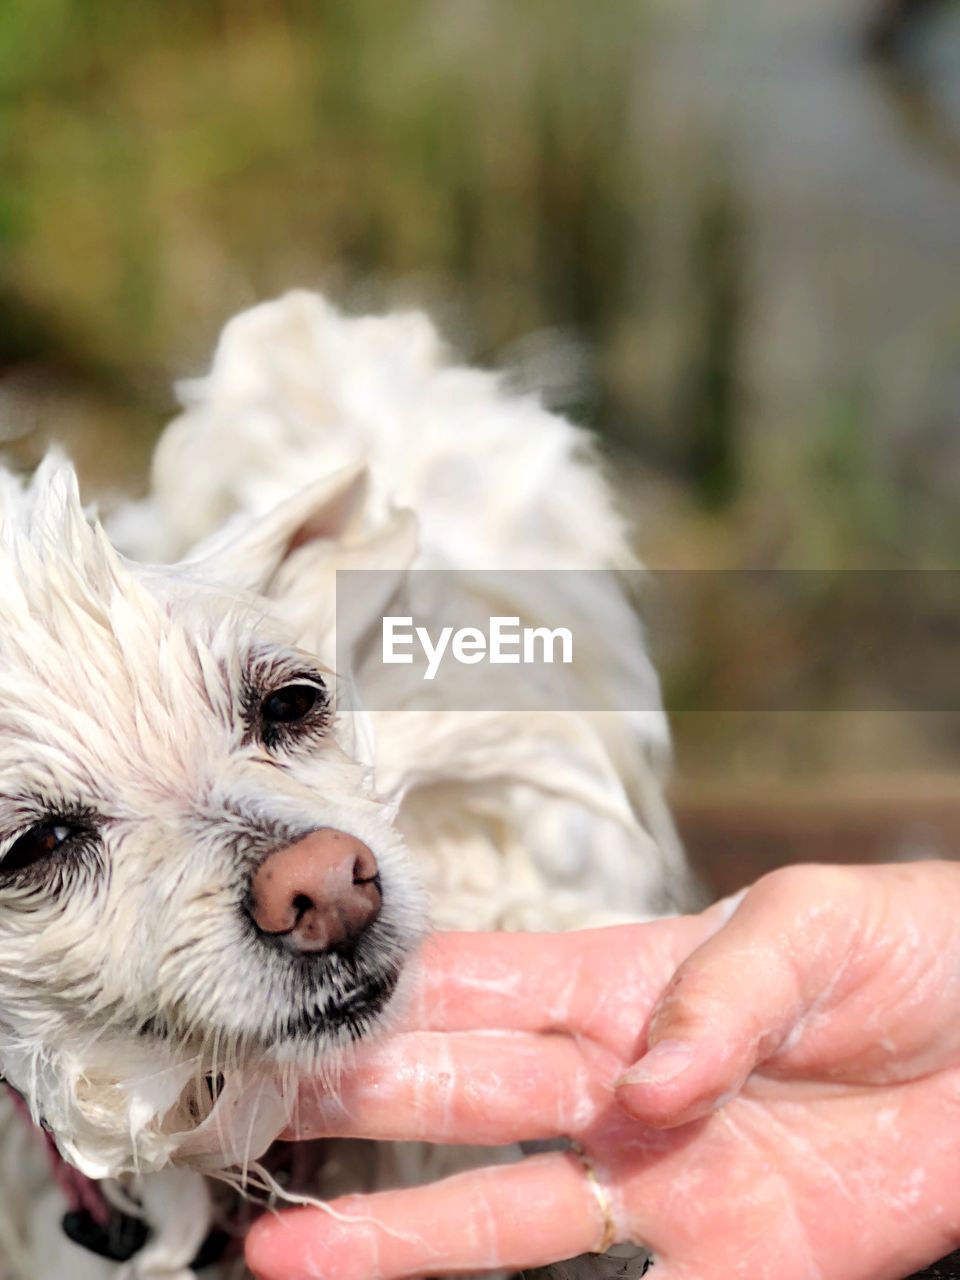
(734, 1001)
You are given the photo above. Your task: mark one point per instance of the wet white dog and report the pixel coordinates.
(211, 876)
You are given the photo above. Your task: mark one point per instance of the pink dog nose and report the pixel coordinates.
(319, 893)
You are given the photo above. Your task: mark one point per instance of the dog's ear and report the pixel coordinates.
(327, 512)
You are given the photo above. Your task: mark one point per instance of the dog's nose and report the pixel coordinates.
(319, 893)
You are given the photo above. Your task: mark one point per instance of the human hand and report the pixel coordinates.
(797, 1115)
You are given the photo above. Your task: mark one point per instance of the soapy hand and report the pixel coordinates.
(769, 1089)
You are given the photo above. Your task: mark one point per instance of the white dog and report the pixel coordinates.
(210, 875)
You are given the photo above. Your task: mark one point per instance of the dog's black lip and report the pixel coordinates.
(352, 1013)
(350, 1016)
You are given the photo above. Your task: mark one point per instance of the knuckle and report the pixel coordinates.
(803, 883)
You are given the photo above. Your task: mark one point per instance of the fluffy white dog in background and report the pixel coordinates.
(211, 876)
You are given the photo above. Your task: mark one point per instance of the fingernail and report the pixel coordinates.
(664, 1062)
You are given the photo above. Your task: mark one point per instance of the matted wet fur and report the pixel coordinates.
(141, 1016)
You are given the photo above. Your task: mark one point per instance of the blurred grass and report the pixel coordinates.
(167, 164)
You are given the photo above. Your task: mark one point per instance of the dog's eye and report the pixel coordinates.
(287, 716)
(292, 703)
(36, 844)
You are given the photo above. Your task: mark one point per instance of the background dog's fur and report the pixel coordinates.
(317, 442)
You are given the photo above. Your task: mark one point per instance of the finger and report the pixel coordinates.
(735, 1000)
(483, 1088)
(598, 982)
(523, 1215)
(516, 981)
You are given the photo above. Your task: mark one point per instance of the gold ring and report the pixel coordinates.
(593, 1182)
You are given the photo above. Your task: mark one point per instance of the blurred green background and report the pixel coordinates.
(727, 237)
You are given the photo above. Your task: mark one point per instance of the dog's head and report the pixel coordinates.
(194, 865)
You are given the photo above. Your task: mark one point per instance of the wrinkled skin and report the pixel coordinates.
(799, 1117)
